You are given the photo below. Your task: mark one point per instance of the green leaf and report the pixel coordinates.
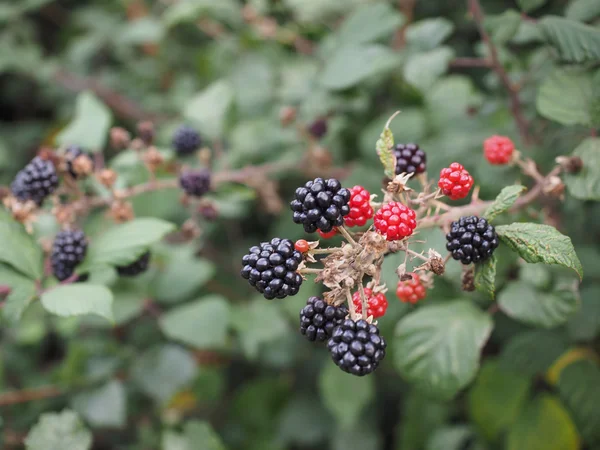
(485, 276)
(335, 386)
(79, 299)
(202, 324)
(22, 292)
(450, 438)
(584, 325)
(533, 352)
(201, 436)
(585, 184)
(59, 431)
(89, 127)
(422, 70)
(104, 406)
(153, 371)
(579, 388)
(543, 425)
(369, 23)
(503, 27)
(19, 250)
(437, 347)
(141, 31)
(523, 302)
(428, 34)
(583, 10)
(187, 11)
(181, 275)
(249, 323)
(575, 42)
(208, 109)
(566, 96)
(304, 421)
(530, 5)
(507, 197)
(537, 243)
(353, 64)
(420, 415)
(385, 149)
(123, 244)
(496, 399)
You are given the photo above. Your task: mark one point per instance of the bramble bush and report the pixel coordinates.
(300, 224)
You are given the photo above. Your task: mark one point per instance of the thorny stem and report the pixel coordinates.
(363, 298)
(415, 254)
(324, 251)
(28, 395)
(346, 235)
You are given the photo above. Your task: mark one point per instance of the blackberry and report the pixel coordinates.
(186, 140)
(195, 183)
(36, 181)
(471, 239)
(271, 268)
(410, 159)
(318, 319)
(71, 154)
(318, 128)
(321, 205)
(137, 267)
(356, 347)
(68, 251)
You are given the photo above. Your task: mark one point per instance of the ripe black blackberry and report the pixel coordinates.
(356, 347)
(410, 159)
(36, 181)
(186, 140)
(318, 319)
(318, 128)
(321, 205)
(271, 268)
(137, 267)
(71, 154)
(195, 183)
(471, 239)
(68, 251)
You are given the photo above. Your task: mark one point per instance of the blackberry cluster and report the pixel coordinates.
(137, 267)
(321, 205)
(318, 319)
(410, 159)
(68, 251)
(271, 268)
(36, 181)
(186, 140)
(72, 153)
(471, 239)
(357, 347)
(195, 183)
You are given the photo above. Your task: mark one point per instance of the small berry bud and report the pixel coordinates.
(468, 281)
(570, 164)
(107, 177)
(121, 211)
(153, 159)
(287, 115)
(437, 266)
(146, 132)
(119, 138)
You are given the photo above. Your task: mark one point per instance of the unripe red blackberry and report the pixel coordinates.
(376, 303)
(195, 183)
(321, 205)
(186, 140)
(68, 251)
(356, 347)
(411, 291)
(271, 268)
(360, 207)
(395, 221)
(471, 239)
(318, 319)
(498, 150)
(137, 267)
(36, 181)
(455, 181)
(410, 159)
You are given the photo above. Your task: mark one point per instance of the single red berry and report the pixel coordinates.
(360, 207)
(498, 149)
(411, 291)
(327, 235)
(302, 246)
(455, 182)
(395, 220)
(377, 303)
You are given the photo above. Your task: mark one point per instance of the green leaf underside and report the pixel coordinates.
(437, 347)
(523, 302)
(208, 109)
(19, 250)
(485, 276)
(123, 244)
(79, 299)
(23, 291)
(90, 125)
(537, 243)
(585, 184)
(505, 199)
(530, 5)
(385, 149)
(104, 406)
(575, 42)
(59, 431)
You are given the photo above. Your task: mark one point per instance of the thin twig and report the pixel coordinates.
(363, 299)
(350, 304)
(470, 62)
(346, 235)
(309, 270)
(29, 395)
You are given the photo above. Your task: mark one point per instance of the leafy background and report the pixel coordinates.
(213, 366)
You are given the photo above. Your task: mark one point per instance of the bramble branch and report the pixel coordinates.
(29, 395)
